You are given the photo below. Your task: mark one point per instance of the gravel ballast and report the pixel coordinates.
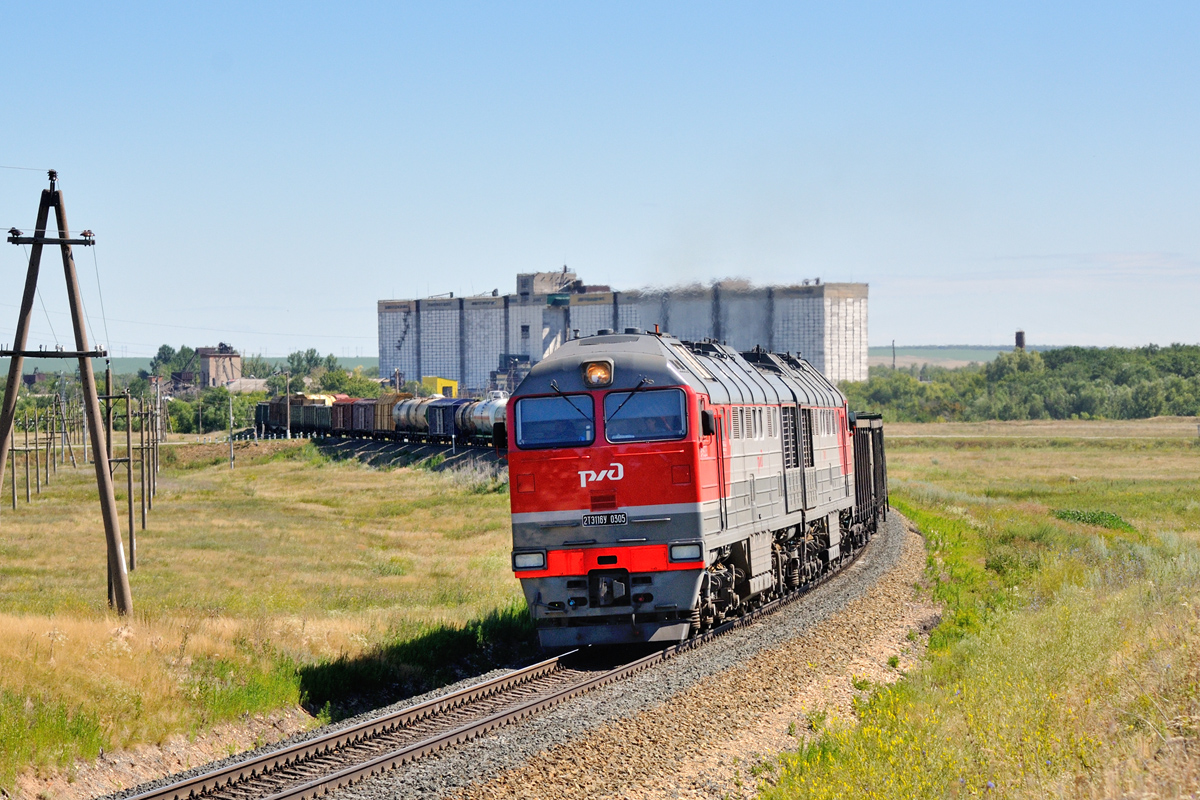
(615, 739)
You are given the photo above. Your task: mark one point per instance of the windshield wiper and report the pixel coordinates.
(643, 382)
(565, 396)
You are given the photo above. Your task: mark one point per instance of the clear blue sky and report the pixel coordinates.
(262, 174)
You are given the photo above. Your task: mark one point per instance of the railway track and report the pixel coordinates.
(343, 757)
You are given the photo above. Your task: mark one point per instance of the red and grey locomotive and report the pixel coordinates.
(660, 486)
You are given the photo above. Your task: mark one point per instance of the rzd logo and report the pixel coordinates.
(614, 473)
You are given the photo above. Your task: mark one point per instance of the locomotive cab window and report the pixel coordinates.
(645, 416)
(566, 421)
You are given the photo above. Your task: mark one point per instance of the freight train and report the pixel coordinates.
(401, 417)
(660, 486)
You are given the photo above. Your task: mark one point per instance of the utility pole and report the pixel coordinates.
(52, 198)
(287, 402)
(28, 485)
(231, 431)
(37, 455)
(52, 430)
(893, 355)
(108, 411)
(129, 478)
(67, 435)
(142, 454)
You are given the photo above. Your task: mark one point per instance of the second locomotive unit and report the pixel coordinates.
(660, 486)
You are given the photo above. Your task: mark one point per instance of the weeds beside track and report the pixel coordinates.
(1068, 659)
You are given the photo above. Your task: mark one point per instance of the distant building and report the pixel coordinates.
(489, 340)
(36, 377)
(219, 365)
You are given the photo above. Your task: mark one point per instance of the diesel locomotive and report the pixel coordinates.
(661, 486)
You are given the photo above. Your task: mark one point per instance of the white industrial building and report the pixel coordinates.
(478, 341)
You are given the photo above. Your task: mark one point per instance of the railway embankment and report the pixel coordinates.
(610, 739)
(707, 727)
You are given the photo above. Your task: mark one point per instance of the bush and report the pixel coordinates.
(1068, 383)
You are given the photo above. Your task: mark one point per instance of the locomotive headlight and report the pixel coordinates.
(597, 374)
(685, 552)
(529, 560)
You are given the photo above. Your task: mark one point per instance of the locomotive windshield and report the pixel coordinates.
(645, 416)
(563, 421)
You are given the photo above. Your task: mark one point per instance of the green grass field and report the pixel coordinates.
(1068, 659)
(1066, 562)
(290, 578)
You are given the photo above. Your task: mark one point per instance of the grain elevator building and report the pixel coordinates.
(489, 341)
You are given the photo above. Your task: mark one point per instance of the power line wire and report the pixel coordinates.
(43, 302)
(103, 315)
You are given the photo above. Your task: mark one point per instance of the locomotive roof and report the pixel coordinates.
(710, 368)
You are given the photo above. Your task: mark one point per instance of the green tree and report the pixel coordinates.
(303, 362)
(257, 367)
(162, 359)
(355, 384)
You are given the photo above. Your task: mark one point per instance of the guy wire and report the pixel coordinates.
(43, 302)
(103, 315)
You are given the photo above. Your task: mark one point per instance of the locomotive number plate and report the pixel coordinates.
(605, 519)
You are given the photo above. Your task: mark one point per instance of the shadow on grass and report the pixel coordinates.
(383, 454)
(435, 657)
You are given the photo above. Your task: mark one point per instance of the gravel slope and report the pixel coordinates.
(614, 740)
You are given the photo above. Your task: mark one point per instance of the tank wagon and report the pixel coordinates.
(400, 417)
(660, 486)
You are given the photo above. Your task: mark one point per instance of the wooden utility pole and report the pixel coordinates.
(129, 479)
(28, 480)
(37, 460)
(68, 435)
(52, 198)
(231, 431)
(52, 431)
(142, 455)
(108, 409)
(287, 405)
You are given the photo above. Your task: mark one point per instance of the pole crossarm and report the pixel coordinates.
(36, 240)
(54, 353)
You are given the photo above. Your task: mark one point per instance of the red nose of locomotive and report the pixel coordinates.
(607, 527)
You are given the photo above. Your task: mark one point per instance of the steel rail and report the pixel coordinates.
(226, 776)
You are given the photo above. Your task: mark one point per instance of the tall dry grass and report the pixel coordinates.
(1067, 662)
(248, 581)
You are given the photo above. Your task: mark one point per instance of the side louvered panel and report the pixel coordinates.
(810, 487)
(794, 481)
